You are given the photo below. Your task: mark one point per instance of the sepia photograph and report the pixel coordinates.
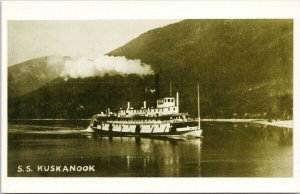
(181, 98)
(152, 98)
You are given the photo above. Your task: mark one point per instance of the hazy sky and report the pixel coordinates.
(33, 39)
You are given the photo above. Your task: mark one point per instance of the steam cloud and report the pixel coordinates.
(83, 67)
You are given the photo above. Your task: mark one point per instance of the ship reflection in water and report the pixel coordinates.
(149, 157)
(226, 150)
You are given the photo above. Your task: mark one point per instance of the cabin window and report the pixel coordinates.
(169, 100)
(174, 109)
(172, 100)
(168, 109)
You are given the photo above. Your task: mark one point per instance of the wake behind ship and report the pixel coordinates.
(163, 120)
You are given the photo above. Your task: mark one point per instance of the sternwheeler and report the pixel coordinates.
(164, 120)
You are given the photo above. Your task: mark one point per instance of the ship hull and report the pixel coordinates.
(147, 131)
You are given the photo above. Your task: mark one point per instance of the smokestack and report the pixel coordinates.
(128, 105)
(177, 100)
(145, 105)
(156, 86)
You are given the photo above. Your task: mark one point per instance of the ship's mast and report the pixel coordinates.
(198, 92)
(177, 100)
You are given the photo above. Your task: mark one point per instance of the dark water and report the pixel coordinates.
(226, 150)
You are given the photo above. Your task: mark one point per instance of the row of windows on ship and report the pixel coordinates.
(150, 110)
(160, 101)
(150, 119)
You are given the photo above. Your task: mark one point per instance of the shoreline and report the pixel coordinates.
(279, 123)
(285, 123)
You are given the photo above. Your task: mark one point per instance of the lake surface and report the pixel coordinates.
(225, 150)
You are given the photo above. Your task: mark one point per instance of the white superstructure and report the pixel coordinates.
(164, 106)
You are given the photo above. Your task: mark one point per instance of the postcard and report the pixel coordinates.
(150, 96)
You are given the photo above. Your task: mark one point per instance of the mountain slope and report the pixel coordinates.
(81, 98)
(244, 68)
(246, 51)
(32, 74)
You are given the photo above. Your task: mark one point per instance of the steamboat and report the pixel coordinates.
(164, 120)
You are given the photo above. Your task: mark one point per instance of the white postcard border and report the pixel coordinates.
(110, 10)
